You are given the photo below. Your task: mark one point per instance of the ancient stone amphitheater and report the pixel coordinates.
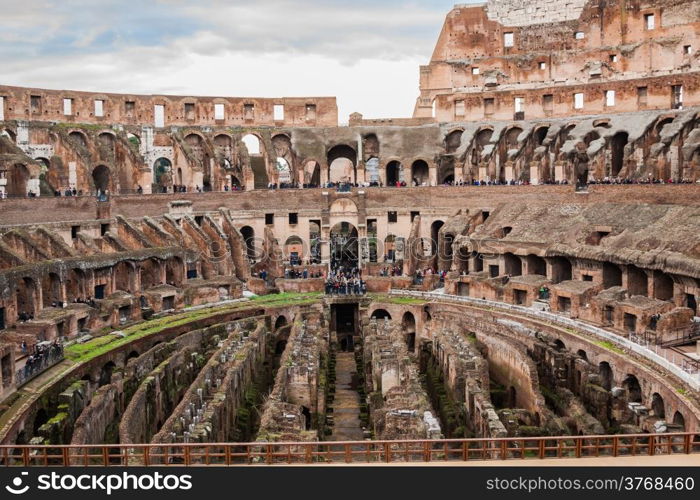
(524, 256)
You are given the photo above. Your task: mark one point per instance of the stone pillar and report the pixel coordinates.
(534, 172)
(325, 245)
(508, 171)
(33, 185)
(559, 171)
(432, 175)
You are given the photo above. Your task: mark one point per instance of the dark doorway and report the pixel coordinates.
(307, 417)
(345, 316)
(691, 302)
(2, 318)
(393, 173)
(619, 141)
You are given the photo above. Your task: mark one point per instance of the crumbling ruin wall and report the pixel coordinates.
(453, 363)
(295, 409)
(398, 405)
(245, 345)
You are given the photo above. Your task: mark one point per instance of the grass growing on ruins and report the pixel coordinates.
(398, 300)
(100, 345)
(609, 346)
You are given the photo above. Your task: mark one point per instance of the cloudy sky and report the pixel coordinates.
(367, 54)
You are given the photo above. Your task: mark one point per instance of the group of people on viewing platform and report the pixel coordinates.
(428, 271)
(292, 274)
(348, 186)
(42, 355)
(345, 281)
(69, 191)
(391, 271)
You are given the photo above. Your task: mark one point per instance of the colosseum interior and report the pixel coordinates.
(523, 256)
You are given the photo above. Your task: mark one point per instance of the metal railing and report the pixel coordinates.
(683, 372)
(328, 452)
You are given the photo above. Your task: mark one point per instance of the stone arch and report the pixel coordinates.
(483, 136)
(194, 139)
(106, 373)
(606, 375)
(453, 140)
(420, 172)
(223, 141)
(435, 236)
(48, 181)
(342, 163)
(582, 354)
(370, 146)
(540, 134)
(134, 140)
(312, 174)
(174, 271)
(76, 284)
(106, 140)
(254, 146)
(679, 420)
(617, 152)
(561, 269)
(284, 157)
(663, 286)
(612, 275)
(591, 136)
(280, 322)
(102, 178)
(393, 172)
(294, 250)
(150, 271)
(252, 143)
(511, 136)
(408, 324)
(344, 245)
(380, 314)
(658, 406)
(51, 289)
(559, 345)
(248, 234)
(633, 387)
(78, 138)
(163, 175)
(125, 276)
(27, 296)
(536, 265)
(637, 281)
(513, 264)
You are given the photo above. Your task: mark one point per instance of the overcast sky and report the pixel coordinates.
(367, 54)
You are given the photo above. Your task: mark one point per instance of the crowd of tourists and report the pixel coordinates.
(391, 271)
(428, 271)
(42, 355)
(345, 281)
(296, 274)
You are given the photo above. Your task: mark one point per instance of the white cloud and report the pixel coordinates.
(368, 55)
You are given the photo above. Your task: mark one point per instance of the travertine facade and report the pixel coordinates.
(512, 60)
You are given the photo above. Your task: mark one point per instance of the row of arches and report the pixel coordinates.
(632, 386)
